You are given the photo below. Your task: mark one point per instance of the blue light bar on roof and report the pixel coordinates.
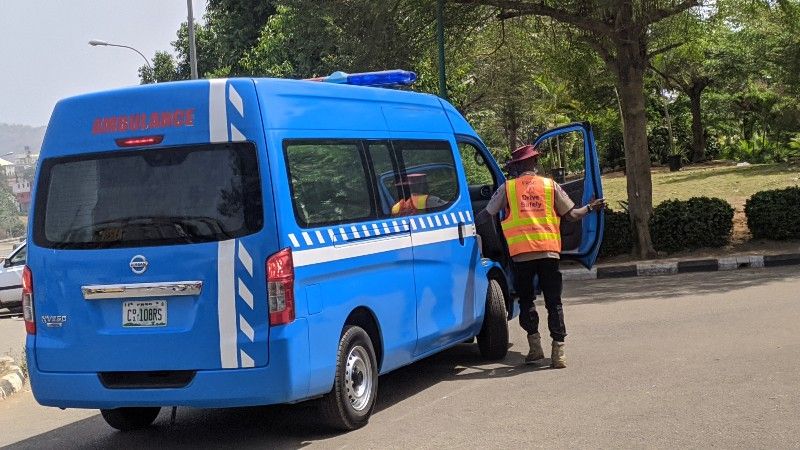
(382, 78)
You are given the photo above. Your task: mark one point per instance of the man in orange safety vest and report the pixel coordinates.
(417, 200)
(534, 206)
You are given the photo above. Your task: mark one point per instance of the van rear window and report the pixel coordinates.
(149, 197)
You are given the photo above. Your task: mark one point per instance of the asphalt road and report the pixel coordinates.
(697, 360)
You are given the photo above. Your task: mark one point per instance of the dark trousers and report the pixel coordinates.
(550, 285)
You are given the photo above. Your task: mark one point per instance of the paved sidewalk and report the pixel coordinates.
(686, 265)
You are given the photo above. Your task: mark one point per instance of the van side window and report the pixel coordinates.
(329, 181)
(387, 175)
(429, 178)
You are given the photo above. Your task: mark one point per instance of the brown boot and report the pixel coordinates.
(557, 359)
(535, 353)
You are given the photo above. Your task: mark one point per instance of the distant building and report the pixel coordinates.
(18, 177)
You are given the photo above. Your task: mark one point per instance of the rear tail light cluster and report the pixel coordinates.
(280, 287)
(27, 301)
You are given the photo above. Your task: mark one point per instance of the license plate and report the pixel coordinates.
(144, 314)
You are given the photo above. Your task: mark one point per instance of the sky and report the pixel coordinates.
(45, 55)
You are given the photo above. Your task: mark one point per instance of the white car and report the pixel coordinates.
(11, 278)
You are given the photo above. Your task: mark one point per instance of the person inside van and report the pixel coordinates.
(534, 206)
(417, 199)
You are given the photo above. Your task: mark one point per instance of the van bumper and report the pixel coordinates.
(284, 380)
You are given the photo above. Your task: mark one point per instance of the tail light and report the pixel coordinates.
(140, 141)
(280, 287)
(27, 301)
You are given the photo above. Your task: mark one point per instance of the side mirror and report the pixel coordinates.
(6, 262)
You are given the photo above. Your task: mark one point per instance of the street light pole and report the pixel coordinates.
(192, 45)
(96, 42)
(440, 42)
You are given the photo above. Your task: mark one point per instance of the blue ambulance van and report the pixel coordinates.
(233, 242)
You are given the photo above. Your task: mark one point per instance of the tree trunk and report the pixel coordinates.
(698, 136)
(631, 63)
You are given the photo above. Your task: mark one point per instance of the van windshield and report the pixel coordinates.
(149, 197)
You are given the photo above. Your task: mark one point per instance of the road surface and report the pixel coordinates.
(696, 360)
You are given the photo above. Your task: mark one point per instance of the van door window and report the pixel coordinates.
(164, 196)
(563, 159)
(387, 175)
(480, 178)
(329, 181)
(428, 177)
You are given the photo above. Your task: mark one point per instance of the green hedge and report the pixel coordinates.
(774, 214)
(617, 234)
(695, 223)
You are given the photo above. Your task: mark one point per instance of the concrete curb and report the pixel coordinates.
(11, 377)
(655, 268)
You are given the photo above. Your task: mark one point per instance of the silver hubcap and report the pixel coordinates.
(358, 378)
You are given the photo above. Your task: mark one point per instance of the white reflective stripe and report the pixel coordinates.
(444, 217)
(385, 227)
(422, 223)
(453, 217)
(226, 305)
(461, 216)
(245, 293)
(396, 228)
(343, 233)
(375, 229)
(247, 361)
(245, 258)
(217, 115)
(355, 232)
(405, 224)
(374, 246)
(236, 135)
(331, 235)
(246, 328)
(413, 224)
(469, 217)
(307, 238)
(356, 249)
(320, 239)
(430, 222)
(293, 238)
(236, 100)
(438, 222)
(364, 229)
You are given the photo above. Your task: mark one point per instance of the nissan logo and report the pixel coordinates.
(138, 264)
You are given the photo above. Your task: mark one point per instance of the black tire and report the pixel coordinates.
(127, 419)
(493, 338)
(343, 408)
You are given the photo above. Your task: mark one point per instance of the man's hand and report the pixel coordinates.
(597, 204)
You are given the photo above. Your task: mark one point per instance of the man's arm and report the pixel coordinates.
(498, 201)
(566, 208)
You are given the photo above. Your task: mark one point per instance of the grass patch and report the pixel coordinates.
(730, 183)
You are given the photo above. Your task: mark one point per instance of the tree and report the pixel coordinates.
(619, 31)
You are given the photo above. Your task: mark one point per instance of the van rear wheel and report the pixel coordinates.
(127, 419)
(493, 338)
(349, 404)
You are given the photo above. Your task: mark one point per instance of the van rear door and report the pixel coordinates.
(150, 242)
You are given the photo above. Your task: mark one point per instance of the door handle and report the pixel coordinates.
(461, 228)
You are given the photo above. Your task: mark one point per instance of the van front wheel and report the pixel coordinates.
(350, 402)
(127, 419)
(493, 338)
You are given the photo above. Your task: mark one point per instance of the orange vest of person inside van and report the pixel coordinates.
(532, 223)
(410, 206)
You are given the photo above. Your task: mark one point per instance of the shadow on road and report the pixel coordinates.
(288, 426)
(664, 287)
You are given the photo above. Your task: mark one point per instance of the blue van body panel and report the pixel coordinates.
(421, 278)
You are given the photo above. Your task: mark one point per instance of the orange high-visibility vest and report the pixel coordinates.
(410, 206)
(532, 223)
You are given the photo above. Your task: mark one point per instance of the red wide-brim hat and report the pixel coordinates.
(523, 153)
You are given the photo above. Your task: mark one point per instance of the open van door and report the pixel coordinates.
(569, 157)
